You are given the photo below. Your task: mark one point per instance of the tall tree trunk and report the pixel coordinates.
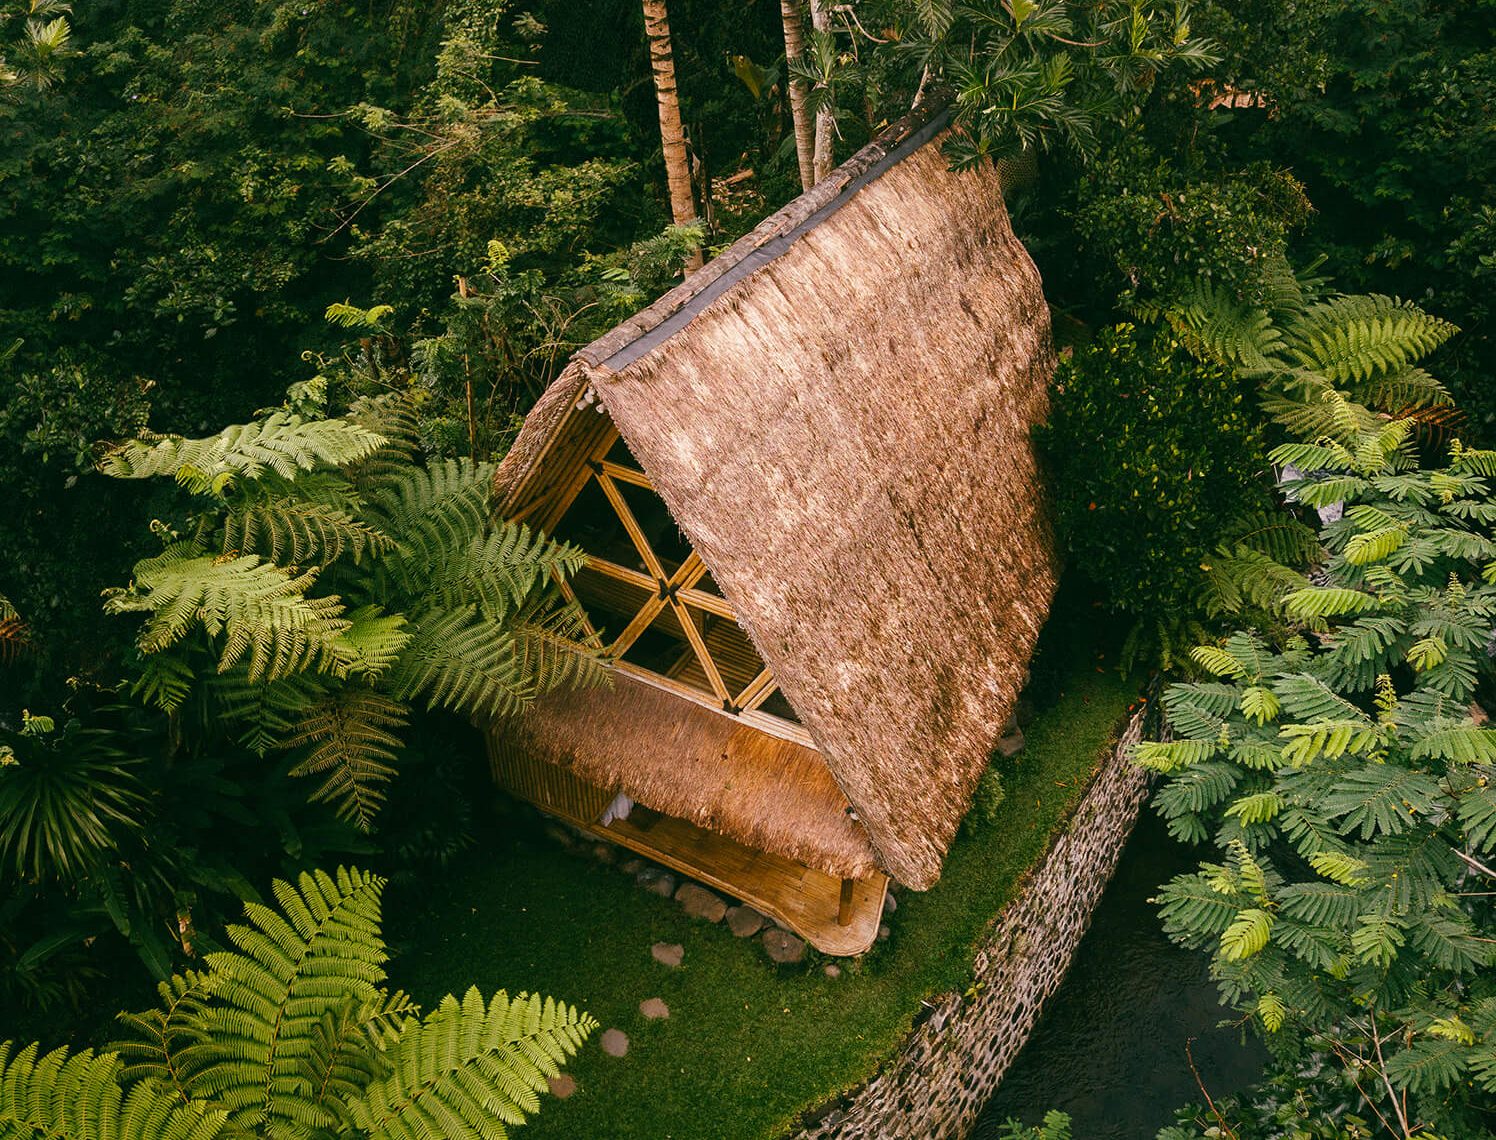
(672, 135)
(794, 51)
(820, 20)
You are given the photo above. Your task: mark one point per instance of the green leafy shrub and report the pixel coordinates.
(320, 580)
(1153, 456)
(1346, 780)
(1156, 230)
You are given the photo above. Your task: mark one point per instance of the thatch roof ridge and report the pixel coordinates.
(621, 345)
(774, 233)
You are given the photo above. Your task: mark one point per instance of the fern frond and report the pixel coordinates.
(287, 531)
(1353, 338)
(372, 643)
(350, 737)
(260, 610)
(78, 1096)
(320, 948)
(470, 1068)
(281, 442)
(431, 509)
(393, 417)
(458, 660)
(1216, 326)
(168, 1044)
(264, 711)
(496, 571)
(345, 1052)
(554, 646)
(1404, 391)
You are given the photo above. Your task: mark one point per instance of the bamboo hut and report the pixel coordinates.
(820, 554)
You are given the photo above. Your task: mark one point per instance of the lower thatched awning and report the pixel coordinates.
(679, 758)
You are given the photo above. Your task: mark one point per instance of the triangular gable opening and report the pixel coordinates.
(647, 594)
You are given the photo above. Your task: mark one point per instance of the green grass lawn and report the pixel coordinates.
(748, 1046)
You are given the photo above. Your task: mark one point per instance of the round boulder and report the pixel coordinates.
(784, 947)
(699, 902)
(744, 921)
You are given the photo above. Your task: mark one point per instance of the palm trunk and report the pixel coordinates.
(794, 51)
(820, 19)
(672, 135)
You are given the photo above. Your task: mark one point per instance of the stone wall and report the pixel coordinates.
(955, 1056)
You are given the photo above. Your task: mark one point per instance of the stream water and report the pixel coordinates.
(1110, 1047)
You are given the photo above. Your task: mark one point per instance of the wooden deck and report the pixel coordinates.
(807, 901)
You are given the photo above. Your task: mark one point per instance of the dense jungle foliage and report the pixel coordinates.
(368, 235)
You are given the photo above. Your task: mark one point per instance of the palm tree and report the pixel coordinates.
(672, 134)
(820, 20)
(794, 52)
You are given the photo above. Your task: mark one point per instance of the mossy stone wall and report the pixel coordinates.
(957, 1053)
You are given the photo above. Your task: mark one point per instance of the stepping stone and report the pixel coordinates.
(562, 1086)
(890, 904)
(668, 953)
(832, 970)
(605, 853)
(744, 921)
(615, 1042)
(1012, 744)
(698, 902)
(783, 946)
(656, 881)
(654, 1009)
(883, 932)
(632, 866)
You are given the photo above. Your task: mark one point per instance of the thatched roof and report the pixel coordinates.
(688, 761)
(837, 413)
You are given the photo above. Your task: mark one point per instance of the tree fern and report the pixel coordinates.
(1324, 367)
(351, 580)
